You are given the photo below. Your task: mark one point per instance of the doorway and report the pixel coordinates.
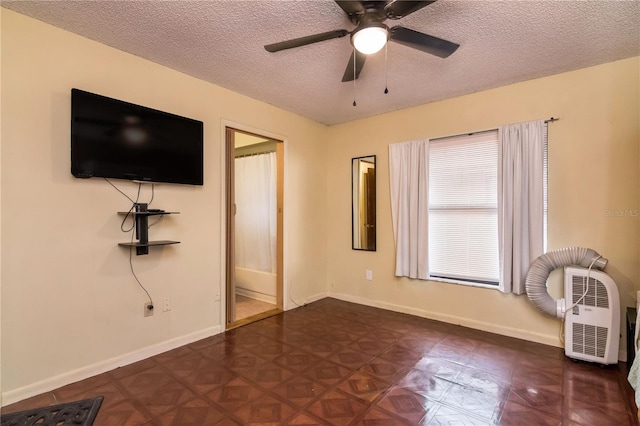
(255, 190)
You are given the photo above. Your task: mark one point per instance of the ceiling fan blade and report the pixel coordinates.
(397, 9)
(303, 41)
(424, 42)
(348, 73)
(351, 7)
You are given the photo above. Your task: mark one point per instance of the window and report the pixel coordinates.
(471, 209)
(463, 208)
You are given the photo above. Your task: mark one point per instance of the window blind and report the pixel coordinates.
(463, 202)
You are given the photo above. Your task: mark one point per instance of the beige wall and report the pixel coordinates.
(70, 306)
(63, 275)
(593, 160)
(1, 400)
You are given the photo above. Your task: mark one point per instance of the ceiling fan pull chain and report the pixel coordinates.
(354, 76)
(386, 70)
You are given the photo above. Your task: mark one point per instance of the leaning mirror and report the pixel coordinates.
(363, 201)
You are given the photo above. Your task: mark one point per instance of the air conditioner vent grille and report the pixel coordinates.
(592, 323)
(589, 339)
(596, 296)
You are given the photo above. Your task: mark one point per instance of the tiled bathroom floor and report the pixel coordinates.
(246, 307)
(338, 363)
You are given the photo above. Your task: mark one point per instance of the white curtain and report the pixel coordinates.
(520, 201)
(408, 177)
(255, 193)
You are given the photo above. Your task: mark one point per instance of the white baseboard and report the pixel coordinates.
(256, 295)
(100, 367)
(292, 304)
(316, 297)
(452, 319)
(466, 322)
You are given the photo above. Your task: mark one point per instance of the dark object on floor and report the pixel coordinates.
(80, 413)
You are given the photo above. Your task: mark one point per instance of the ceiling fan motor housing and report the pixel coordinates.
(370, 35)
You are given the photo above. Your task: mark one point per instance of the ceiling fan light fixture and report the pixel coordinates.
(371, 39)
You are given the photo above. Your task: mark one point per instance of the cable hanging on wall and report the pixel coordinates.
(132, 230)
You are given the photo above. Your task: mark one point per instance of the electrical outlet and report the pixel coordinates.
(369, 275)
(166, 304)
(148, 309)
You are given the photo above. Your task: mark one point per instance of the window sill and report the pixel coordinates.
(465, 283)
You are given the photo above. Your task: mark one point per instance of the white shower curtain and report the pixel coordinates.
(256, 212)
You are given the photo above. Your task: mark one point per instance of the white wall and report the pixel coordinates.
(70, 307)
(593, 167)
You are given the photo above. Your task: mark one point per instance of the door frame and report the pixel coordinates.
(282, 288)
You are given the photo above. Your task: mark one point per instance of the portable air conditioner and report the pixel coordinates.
(592, 326)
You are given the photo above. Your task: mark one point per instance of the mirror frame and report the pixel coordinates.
(355, 162)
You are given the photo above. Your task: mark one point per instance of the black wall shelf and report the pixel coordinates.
(141, 216)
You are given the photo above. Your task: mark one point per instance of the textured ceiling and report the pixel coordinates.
(222, 42)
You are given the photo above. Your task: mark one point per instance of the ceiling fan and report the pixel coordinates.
(371, 34)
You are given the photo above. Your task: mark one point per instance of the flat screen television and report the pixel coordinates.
(121, 140)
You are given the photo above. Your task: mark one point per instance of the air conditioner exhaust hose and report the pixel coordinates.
(536, 282)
